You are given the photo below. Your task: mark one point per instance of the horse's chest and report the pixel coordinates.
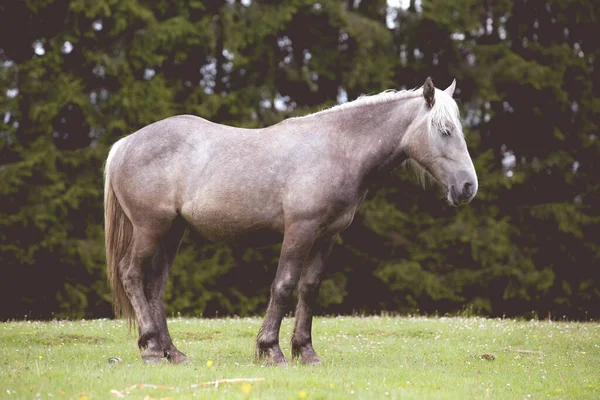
(341, 221)
(343, 215)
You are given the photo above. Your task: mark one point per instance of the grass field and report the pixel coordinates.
(363, 358)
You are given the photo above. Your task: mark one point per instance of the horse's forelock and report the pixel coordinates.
(443, 111)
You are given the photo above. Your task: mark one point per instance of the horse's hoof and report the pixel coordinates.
(153, 360)
(281, 362)
(311, 361)
(177, 357)
(272, 353)
(307, 355)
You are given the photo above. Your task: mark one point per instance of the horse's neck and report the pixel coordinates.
(370, 134)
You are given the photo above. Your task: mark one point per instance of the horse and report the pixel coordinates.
(300, 181)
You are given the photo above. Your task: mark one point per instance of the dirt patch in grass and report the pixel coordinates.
(197, 335)
(409, 333)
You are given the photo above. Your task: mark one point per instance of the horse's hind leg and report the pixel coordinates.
(155, 282)
(131, 269)
(297, 242)
(307, 298)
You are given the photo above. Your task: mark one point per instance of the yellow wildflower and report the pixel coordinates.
(246, 388)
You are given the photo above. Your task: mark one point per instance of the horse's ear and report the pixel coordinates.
(429, 92)
(450, 89)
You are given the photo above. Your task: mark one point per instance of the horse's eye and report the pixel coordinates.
(445, 131)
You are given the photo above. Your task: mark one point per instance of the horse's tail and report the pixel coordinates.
(118, 233)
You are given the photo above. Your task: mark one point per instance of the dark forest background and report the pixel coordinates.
(76, 75)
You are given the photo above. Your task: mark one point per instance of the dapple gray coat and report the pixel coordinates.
(302, 179)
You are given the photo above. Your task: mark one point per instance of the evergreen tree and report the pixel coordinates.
(76, 75)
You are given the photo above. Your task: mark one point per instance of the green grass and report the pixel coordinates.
(374, 357)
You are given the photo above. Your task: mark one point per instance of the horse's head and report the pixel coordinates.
(435, 144)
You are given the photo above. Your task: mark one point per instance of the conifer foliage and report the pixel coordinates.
(76, 75)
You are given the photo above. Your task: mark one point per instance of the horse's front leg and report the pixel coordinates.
(297, 242)
(307, 298)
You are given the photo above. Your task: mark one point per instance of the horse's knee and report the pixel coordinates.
(283, 288)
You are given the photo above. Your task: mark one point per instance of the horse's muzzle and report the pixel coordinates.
(462, 192)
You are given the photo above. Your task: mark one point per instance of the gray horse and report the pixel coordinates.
(303, 179)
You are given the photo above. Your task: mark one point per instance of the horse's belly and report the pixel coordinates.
(254, 237)
(236, 223)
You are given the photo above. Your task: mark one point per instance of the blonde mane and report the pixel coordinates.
(384, 97)
(444, 109)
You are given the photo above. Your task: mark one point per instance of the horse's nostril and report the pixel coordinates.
(467, 189)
